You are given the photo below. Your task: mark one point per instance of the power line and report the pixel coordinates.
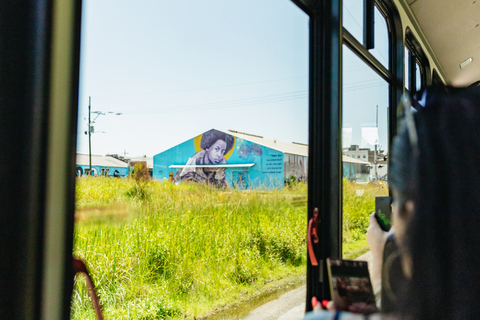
(364, 87)
(251, 101)
(351, 15)
(365, 82)
(201, 88)
(226, 104)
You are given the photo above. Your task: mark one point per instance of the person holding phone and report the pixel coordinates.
(435, 180)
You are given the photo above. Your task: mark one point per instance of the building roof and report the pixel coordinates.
(102, 161)
(285, 147)
(353, 160)
(149, 160)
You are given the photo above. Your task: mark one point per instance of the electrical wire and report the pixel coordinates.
(225, 104)
(202, 88)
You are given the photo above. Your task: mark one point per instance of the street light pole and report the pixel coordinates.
(375, 160)
(90, 127)
(90, 134)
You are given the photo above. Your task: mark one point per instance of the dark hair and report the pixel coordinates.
(401, 175)
(212, 136)
(442, 236)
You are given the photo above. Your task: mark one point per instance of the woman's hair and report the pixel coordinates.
(443, 236)
(212, 136)
(401, 175)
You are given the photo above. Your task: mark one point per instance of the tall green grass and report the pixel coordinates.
(158, 250)
(358, 204)
(182, 251)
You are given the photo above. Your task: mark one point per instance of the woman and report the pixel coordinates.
(435, 181)
(442, 243)
(215, 145)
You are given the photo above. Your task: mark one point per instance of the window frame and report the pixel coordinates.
(436, 80)
(39, 83)
(417, 56)
(327, 37)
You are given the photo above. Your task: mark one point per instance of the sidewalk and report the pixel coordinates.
(291, 305)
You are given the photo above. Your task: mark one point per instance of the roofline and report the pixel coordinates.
(235, 133)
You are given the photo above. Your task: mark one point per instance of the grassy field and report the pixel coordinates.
(358, 204)
(158, 250)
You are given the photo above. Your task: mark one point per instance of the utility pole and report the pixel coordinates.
(90, 134)
(375, 154)
(90, 127)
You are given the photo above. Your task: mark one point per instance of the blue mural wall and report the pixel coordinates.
(256, 166)
(82, 170)
(356, 171)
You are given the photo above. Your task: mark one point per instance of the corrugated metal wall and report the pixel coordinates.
(295, 165)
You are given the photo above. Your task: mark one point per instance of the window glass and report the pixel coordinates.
(365, 128)
(407, 69)
(353, 18)
(381, 50)
(418, 77)
(195, 106)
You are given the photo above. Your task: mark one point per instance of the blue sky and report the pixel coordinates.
(176, 69)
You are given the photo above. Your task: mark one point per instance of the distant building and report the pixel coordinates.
(357, 153)
(132, 161)
(356, 169)
(101, 166)
(239, 160)
(232, 159)
(148, 161)
(367, 155)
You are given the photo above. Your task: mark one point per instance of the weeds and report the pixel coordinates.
(182, 251)
(358, 204)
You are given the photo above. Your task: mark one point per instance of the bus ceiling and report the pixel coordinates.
(452, 30)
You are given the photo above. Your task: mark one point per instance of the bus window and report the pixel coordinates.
(353, 18)
(215, 93)
(417, 67)
(381, 51)
(365, 138)
(407, 69)
(418, 78)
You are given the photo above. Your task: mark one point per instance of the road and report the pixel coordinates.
(289, 306)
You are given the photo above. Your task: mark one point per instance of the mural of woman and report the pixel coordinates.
(214, 144)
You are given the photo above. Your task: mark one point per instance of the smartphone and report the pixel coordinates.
(350, 286)
(383, 212)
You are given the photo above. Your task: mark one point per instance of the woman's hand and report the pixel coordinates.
(331, 306)
(376, 238)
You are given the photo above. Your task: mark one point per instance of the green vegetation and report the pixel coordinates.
(158, 250)
(358, 204)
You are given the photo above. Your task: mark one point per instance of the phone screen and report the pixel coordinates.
(350, 286)
(383, 212)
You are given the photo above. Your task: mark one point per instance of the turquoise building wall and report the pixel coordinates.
(97, 170)
(267, 170)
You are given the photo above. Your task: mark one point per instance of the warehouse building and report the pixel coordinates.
(101, 165)
(238, 160)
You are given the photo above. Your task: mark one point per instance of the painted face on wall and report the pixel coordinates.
(216, 152)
